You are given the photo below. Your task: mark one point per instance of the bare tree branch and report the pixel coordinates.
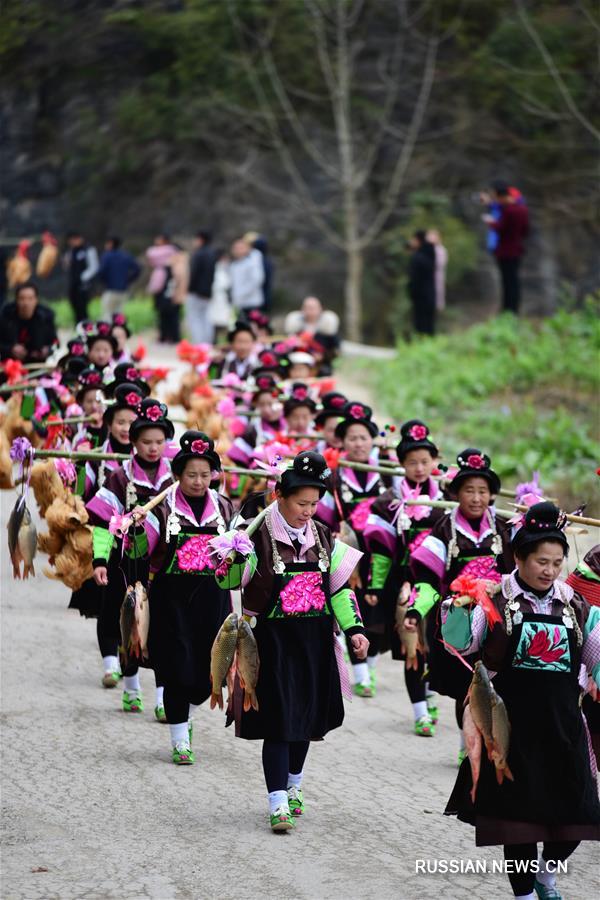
(553, 70)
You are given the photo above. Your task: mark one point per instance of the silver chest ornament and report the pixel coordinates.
(131, 497)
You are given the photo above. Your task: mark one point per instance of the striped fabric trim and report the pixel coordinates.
(344, 560)
(152, 528)
(380, 531)
(326, 510)
(105, 504)
(432, 553)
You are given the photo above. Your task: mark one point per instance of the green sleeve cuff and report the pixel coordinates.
(138, 546)
(456, 630)
(379, 571)
(232, 580)
(426, 598)
(80, 482)
(345, 609)
(102, 542)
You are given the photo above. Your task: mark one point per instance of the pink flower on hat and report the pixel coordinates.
(476, 461)
(300, 393)
(337, 402)
(199, 446)
(93, 378)
(269, 359)
(418, 432)
(77, 349)
(357, 411)
(153, 413)
(132, 399)
(118, 319)
(264, 382)
(103, 328)
(131, 374)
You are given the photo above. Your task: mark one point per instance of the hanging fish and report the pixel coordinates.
(142, 617)
(221, 658)
(22, 539)
(247, 664)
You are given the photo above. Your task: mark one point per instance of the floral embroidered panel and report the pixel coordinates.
(543, 646)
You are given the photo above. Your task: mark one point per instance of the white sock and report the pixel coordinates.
(179, 734)
(159, 696)
(462, 740)
(193, 708)
(525, 896)
(361, 673)
(277, 799)
(111, 663)
(431, 696)
(548, 879)
(295, 780)
(131, 683)
(420, 709)
(371, 661)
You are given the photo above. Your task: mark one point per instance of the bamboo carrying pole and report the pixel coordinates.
(81, 455)
(504, 513)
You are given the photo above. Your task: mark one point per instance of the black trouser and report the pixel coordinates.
(414, 680)
(281, 758)
(511, 284)
(169, 329)
(79, 297)
(374, 645)
(424, 315)
(177, 701)
(554, 851)
(108, 630)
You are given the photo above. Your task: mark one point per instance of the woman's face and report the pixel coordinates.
(150, 444)
(120, 336)
(243, 344)
(119, 428)
(418, 465)
(358, 443)
(100, 353)
(299, 420)
(328, 432)
(91, 405)
(542, 567)
(196, 477)
(474, 497)
(268, 407)
(299, 372)
(299, 507)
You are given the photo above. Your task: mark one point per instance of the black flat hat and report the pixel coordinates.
(195, 445)
(472, 463)
(542, 522)
(299, 396)
(89, 379)
(356, 414)
(126, 372)
(127, 396)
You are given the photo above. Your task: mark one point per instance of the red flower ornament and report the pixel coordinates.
(476, 461)
(356, 411)
(199, 446)
(418, 432)
(154, 413)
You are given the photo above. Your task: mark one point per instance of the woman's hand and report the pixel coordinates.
(360, 645)
(138, 514)
(372, 599)
(101, 576)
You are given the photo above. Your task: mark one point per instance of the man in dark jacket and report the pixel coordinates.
(202, 273)
(82, 266)
(421, 283)
(118, 270)
(512, 229)
(27, 330)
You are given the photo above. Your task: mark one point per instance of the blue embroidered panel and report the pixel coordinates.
(543, 646)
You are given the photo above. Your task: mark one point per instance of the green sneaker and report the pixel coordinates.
(282, 819)
(190, 730)
(462, 755)
(295, 801)
(363, 690)
(424, 727)
(111, 679)
(183, 756)
(373, 679)
(432, 710)
(160, 714)
(546, 893)
(132, 703)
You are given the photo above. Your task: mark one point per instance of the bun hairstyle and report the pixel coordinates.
(152, 414)
(74, 366)
(195, 445)
(333, 402)
(265, 384)
(299, 396)
(119, 321)
(414, 435)
(472, 463)
(127, 396)
(542, 522)
(356, 414)
(102, 331)
(127, 372)
(89, 379)
(309, 469)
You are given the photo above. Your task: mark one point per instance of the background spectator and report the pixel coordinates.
(247, 276)
(421, 283)
(27, 330)
(441, 263)
(259, 243)
(161, 287)
(512, 228)
(220, 304)
(322, 325)
(197, 304)
(118, 269)
(82, 265)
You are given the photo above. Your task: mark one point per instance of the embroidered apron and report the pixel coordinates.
(548, 755)
(187, 608)
(298, 688)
